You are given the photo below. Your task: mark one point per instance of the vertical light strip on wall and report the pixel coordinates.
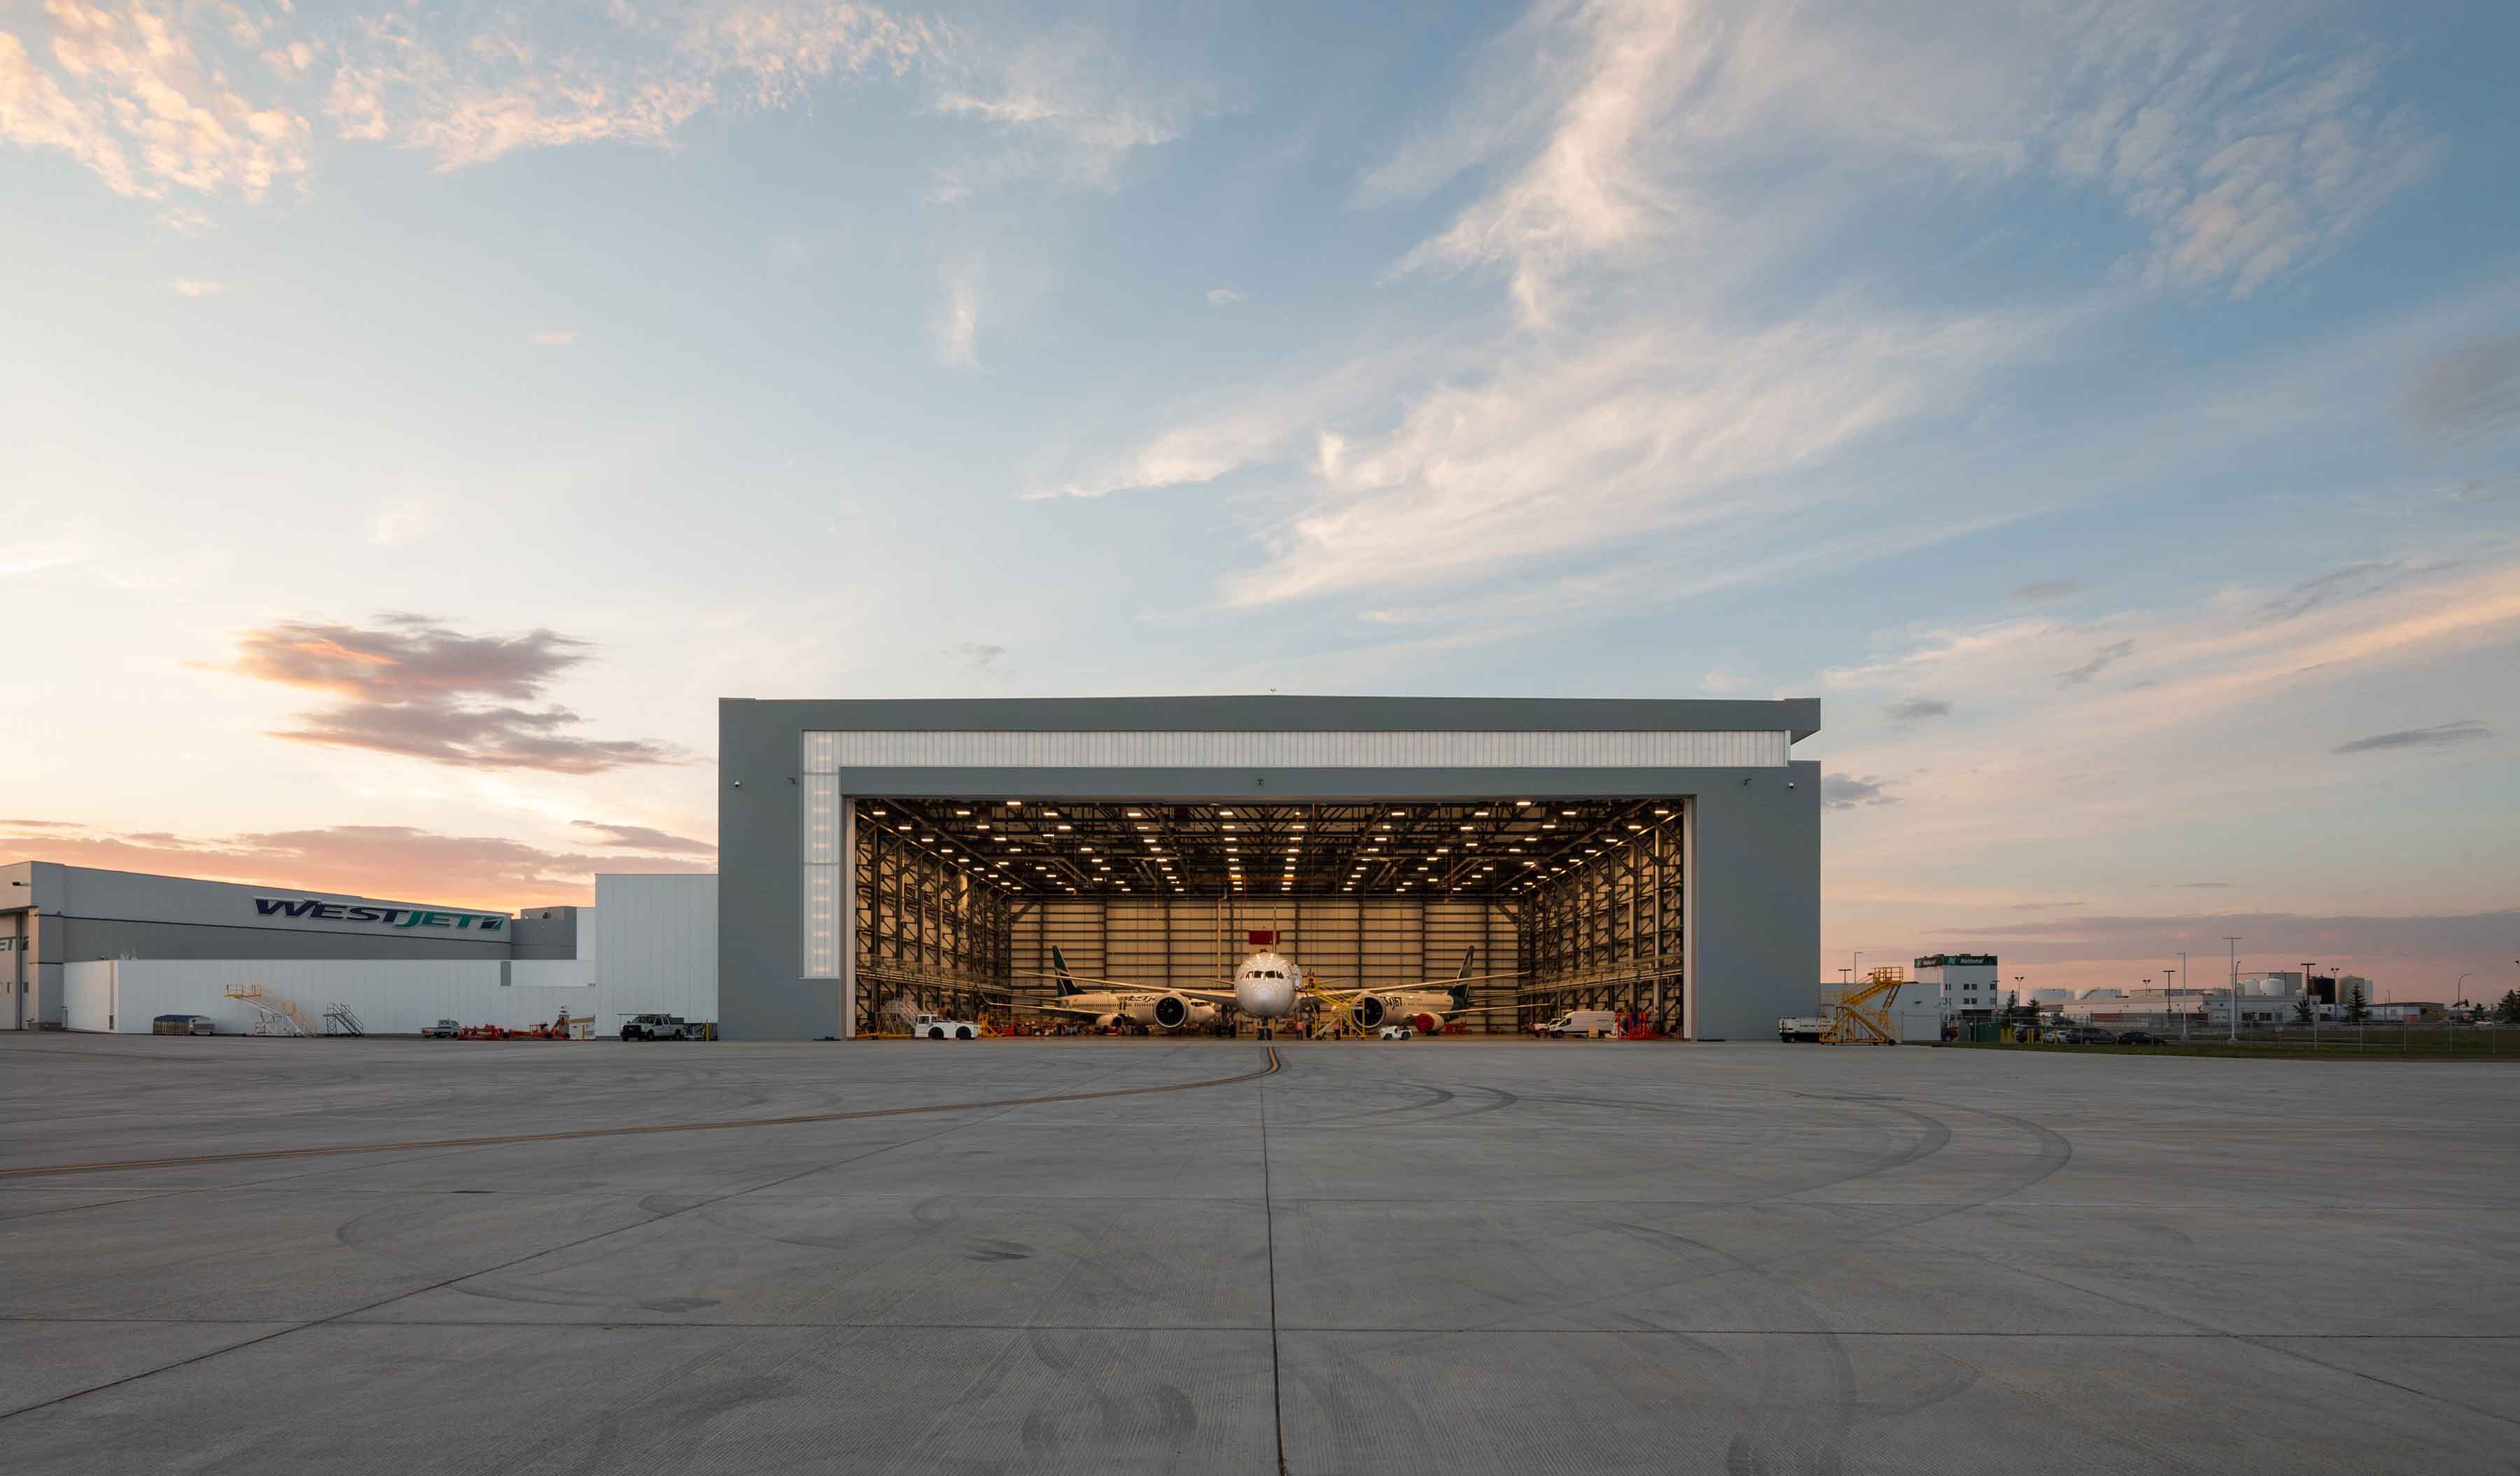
(820, 804)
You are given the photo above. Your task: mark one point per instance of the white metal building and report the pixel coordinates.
(649, 944)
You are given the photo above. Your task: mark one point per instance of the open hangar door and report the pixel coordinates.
(965, 906)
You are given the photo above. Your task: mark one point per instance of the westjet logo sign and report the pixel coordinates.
(392, 917)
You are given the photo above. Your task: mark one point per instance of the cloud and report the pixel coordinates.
(2368, 942)
(980, 656)
(2046, 589)
(2442, 735)
(958, 324)
(1721, 678)
(466, 93)
(1598, 439)
(396, 862)
(192, 288)
(1068, 106)
(148, 107)
(644, 838)
(2346, 582)
(2102, 659)
(2199, 885)
(1222, 297)
(2244, 170)
(556, 337)
(416, 688)
(1847, 791)
(1917, 708)
(39, 825)
(2217, 733)
(2470, 389)
(2241, 150)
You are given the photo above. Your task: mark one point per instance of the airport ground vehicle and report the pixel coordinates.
(443, 1030)
(1581, 1024)
(1398, 1031)
(1802, 1027)
(656, 1027)
(938, 1027)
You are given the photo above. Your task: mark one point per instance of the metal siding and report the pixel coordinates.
(827, 753)
(656, 945)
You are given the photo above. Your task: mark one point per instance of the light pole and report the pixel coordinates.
(2182, 985)
(2234, 1013)
(2313, 1004)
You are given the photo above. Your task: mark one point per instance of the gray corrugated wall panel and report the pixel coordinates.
(1798, 715)
(827, 752)
(760, 907)
(1758, 903)
(84, 937)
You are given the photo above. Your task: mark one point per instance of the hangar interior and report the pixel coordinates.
(1560, 904)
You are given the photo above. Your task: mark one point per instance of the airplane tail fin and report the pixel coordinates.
(1460, 989)
(1467, 955)
(1058, 964)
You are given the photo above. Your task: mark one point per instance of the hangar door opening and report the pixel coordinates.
(972, 906)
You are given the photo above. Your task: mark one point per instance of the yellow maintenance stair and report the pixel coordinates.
(1857, 1018)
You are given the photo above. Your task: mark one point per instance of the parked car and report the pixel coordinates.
(2137, 1038)
(2088, 1036)
(443, 1030)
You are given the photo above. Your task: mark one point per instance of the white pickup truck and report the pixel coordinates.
(938, 1027)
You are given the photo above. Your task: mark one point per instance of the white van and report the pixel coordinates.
(1580, 1024)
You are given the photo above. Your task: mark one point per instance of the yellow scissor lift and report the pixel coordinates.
(1856, 1018)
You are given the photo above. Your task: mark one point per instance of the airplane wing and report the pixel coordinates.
(1212, 994)
(1057, 1008)
(1421, 985)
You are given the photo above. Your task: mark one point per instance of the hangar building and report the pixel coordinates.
(1654, 856)
(89, 949)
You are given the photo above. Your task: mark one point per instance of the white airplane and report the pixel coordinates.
(1419, 1006)
(1265, 987)
(1168, 1009)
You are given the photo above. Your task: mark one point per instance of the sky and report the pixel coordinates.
(417, 417)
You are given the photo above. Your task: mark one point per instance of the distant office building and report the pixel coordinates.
(1969, 982)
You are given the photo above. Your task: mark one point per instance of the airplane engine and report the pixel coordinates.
(1172, 1012)
(1370, 1012)
(1427, 1024)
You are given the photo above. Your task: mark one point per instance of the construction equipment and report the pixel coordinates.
(272, 1015)
(1857, 1018)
